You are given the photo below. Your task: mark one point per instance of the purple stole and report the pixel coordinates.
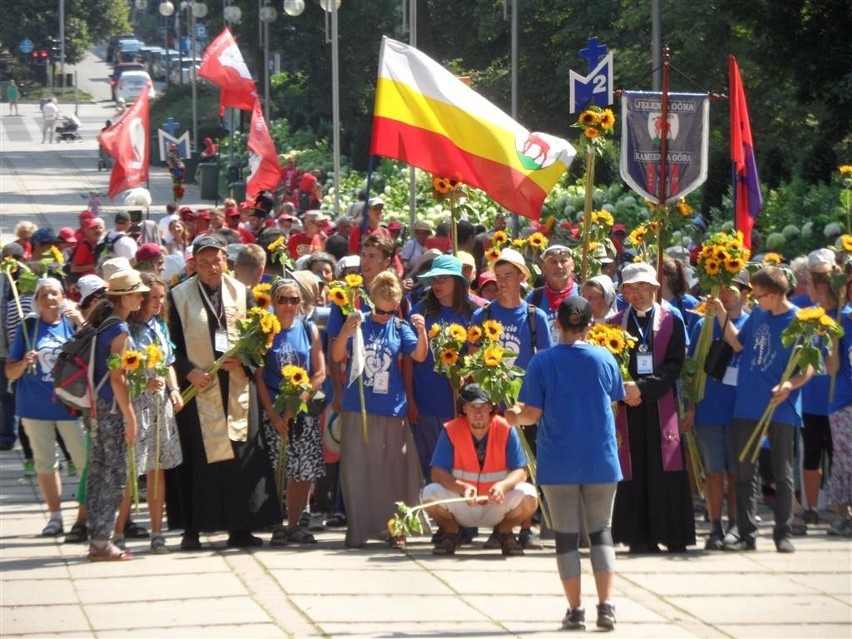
(669, 424)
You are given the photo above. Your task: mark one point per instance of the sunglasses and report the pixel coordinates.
(379, 311)
(288, 300)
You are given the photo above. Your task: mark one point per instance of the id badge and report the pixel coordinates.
(381, 382)
(221, 342)
(730, 378)
(644, 363)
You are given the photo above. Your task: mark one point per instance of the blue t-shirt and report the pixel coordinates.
(684, 305)
(432, 390)
(384, 343)
(762, 362)
(538, 297)
(717, 407)
(815, 392)
(843, 385)
(102, 353)
(516, 336)
(576, 434)
(290, 347)
(34, 396)
(444, 454)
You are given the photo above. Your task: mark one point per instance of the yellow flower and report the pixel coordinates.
(492, 254)
(637, 235)
(269, 324)
(845, 169)
(537, 240)
(519, 243)
(277, 244)
(602, 217)
(593, 246)
(588, 118)
(338, 296)
(153, 356)
(712, 266)
(474, 334)
(299, 377)
(734, 265)
(684, 208)
(449, 356)
(654, 226)
(499, 238)
(457, 333)
(353, 280)
(57, 255)
(607, 119)
(262, 295)
(444, 185)
(591, 133)
(810, 314)
(846, 243)
(492, 329)
(131, 360)
(827, 321)
(434, 331)
(720, 253)
(492, 356)
(772, 258)
(615, 344)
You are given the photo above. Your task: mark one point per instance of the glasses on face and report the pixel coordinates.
(381, 311)
(440, 279)
(288, 300)
(759, 297)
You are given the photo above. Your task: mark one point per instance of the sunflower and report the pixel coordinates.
(772, 258)
(131, 360)
(720, 253)
(499, 238)
(277, 244)
(153, 356)
(299, 377)
(712, 266)
(591, 133)
(434, 331)
(827, 321)
(492, 329)
(537, 240)
(474, 334)
(269, 324)
(338, 296)
(683, 208)
(262, 294)
(846, 243)
(353, 280)
(734, 265)
(637, 236)
(588, 118)
(457, 332)
(654, 226)
(810, 314)
(602, 217)
(444, 185)
(519, 244)
(492, 254)
(607, 119)
(56, 254)
(593, 246)
(492, 356)
(615, 343)
(449, 356)
(845, 169)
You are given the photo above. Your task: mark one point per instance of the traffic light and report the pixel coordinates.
(55, 51)
(40, 56)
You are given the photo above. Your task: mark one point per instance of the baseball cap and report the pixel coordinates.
(85, 215)
(422, 225)
(618, 227)
(67, 234)
(232, 211)
(148, 251)
(466, 259)
(347, 261)
(13, 249)
(574, 312)
(44, 235)
(316, 216)
(206, 242)
(122, 216)
(511, 256)
(486, 278)
(474, 394)
(639, 272)
(114, 265)
(394, 226)
(743, 278)
(233, 251)
(426, 256)
(91, 287)
(202, 214)
(93, 222)
(186, 213)
(376, 201)
(819, 261)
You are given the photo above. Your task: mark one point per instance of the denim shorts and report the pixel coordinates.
(716, 445)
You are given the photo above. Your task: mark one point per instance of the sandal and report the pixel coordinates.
(132, 530)
(53, 528)
(78, 534)
(397, 542)
(110, 552)
(158, 545)
(509, 544)
(299, 536)
(447, 544)
(279, 536)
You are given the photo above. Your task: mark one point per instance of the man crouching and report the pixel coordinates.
(479, 457)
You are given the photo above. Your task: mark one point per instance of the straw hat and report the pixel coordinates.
(126, 283)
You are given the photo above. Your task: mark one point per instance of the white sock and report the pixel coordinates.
(56, 515)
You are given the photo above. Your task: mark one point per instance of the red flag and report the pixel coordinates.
(223, 64)
(747, 198)
(263, 159)
(128, 143)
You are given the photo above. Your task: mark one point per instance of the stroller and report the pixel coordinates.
(68, 129)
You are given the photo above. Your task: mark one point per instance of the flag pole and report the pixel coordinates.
(664, 116)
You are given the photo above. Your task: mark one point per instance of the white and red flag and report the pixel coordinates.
(223, 64)
(128, 143)
(265, 170)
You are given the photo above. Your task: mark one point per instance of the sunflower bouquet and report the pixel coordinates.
(594, 233)
(810, 334)
(489, 366)
(447, 342)
(617, 341)
(255, 335)
(444, 188)
(596, 123)
(721, 258)
(279, 253)
(295, 382)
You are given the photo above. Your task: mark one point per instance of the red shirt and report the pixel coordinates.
(300, 244)
(308, 182)
(84, 254)
(443, 244)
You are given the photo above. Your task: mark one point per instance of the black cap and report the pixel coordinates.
(473, 394)
(13, 249)
(574, 312)
(263, 204)
(122, 216)
(45, 235)
(207, 241)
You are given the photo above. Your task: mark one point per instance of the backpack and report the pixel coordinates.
(105, 249)
(74, 370)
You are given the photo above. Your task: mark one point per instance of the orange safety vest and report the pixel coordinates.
(466, 465)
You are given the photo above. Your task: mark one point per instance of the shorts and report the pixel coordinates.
(716, 445)
(478, 515)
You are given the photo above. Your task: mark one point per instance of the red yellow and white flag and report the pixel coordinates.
(128, 143)
(427, 117)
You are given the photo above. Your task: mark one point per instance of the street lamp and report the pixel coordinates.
(232, 14)
(196, 10)
(294, 8)
(267, 15)
(331, 8)
(166, 9)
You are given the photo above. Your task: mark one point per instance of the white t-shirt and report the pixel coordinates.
(125, 246)
(164, 223)
(50, 111)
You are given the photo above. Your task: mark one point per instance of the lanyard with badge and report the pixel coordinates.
(221, 343)
(644, 357)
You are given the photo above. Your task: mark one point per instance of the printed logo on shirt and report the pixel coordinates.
(378, 359)
(511, 342)
(48, 353)
(764, 354)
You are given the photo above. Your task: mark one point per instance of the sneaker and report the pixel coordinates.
(529, 540)
(337, 520)
(158, 545)
(315, 522)
(783, 545)
(53, 529)
(740, 544)
(29, 468)
(575, 619)
(732, 534)
(715, 542)
(606, 616)
(811, 517)
(493, 541)
(304, 519)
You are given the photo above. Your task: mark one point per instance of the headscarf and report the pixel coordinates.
(608, 288)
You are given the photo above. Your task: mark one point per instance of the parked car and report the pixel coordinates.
(131, 84)
(163, 61)
(121, 69)
(181, 71)
(113, 44)
(127, 50)
(147, 54)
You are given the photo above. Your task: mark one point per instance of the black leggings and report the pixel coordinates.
(816, 436)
